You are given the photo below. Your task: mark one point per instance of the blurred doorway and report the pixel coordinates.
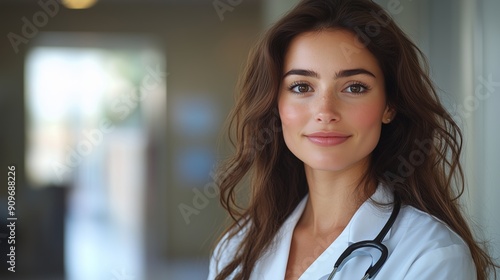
(95, 105)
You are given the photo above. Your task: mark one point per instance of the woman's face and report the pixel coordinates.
(332, 100)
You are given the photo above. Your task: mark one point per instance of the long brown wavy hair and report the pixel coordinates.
(417, 155)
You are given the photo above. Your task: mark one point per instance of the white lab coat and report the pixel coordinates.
(420, 247)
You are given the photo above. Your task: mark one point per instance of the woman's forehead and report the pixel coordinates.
(329, 51)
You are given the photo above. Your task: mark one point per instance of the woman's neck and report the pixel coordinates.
(334, 197)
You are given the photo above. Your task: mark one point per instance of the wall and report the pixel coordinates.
(486, 38)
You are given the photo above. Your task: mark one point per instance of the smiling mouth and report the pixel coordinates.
(327, 139)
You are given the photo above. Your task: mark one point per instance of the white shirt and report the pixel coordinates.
(420, 247)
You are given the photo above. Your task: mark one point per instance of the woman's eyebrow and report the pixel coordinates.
(301, 72)
(352, 72)
(340, 74)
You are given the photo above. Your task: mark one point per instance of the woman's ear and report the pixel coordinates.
(389, 115)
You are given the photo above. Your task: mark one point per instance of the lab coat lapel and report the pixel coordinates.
(370, 218)
(273, 264)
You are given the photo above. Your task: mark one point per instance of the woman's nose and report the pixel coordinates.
(327, 109)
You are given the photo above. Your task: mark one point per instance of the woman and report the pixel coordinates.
(337, 124)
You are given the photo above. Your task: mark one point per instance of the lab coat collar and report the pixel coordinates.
(371, 217)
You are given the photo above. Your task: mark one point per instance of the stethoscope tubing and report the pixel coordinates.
(375, 243)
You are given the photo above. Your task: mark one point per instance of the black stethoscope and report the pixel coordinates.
(375, 243)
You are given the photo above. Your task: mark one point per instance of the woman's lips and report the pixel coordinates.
(327, 138)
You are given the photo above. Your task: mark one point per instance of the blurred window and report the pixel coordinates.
(88, 100)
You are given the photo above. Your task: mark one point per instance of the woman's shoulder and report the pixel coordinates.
(414, 225)
(226, 249)
(426, 239)
(424, 246)
(424, 226)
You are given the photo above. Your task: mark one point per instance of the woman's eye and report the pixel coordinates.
(356, 88)
(301, 88)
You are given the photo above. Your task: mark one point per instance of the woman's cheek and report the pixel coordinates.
(368, 119)
(290, 113)
(293, 119)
